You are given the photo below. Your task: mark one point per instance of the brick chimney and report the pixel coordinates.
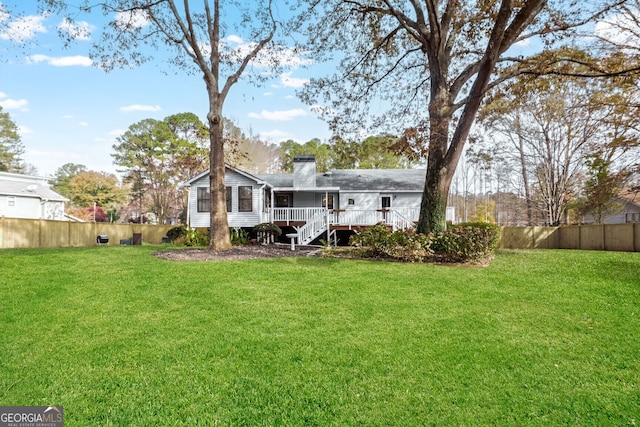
(304, 171)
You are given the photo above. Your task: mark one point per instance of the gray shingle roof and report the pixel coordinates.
(359, 179)
(13, 187)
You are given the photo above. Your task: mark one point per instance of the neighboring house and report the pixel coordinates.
(628, 210)
(314, 205)
(24, 196)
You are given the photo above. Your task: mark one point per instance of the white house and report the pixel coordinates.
(24, 196)
(315, 205)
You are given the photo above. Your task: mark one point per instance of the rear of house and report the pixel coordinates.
(247, 199)
(314, 205)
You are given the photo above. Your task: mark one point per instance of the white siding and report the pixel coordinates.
(236, 218)
(20, 207)
(371, 200)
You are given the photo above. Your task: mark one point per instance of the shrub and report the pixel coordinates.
(404, 245)
(176, 233)
(238, 236)
(197, 237)
(371, 241)
(267, 232)
(466, 242)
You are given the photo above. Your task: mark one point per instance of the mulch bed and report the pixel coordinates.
(237, 253)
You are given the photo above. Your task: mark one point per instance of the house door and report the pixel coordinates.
(385, 202)
(385, 205)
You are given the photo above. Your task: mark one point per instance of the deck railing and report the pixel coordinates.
(289, 215)
(398, 218)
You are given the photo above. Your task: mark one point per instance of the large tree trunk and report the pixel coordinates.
(219, 233)
(433, 208)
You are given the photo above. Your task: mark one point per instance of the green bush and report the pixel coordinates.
(177, 233)
(267, 232)
(404, 245)
(469, 242)
(197, 237)
(239, 236)
(473, 241)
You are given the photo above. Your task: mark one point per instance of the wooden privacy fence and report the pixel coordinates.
(603, 237)
(40, 233)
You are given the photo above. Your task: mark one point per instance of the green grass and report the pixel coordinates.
(121, 338)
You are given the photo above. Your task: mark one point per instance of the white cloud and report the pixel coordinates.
(131, 20)
(620, 29)
(138, 107)
(14, 104)
(275, 134)
(83, 124)
(280, 116)
(67, 116)
(268, 94)
(80, 30)
(117, 132)
(235, 49)
(21, 29)
(289, 81)
(234, 39)
(62, 61)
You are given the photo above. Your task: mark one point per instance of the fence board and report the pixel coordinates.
(36, 233)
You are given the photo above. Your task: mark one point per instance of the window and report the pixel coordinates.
(324, 201)
(245, 199)
(282, 200)
(11, 201)
(204, 199)
(351, 202)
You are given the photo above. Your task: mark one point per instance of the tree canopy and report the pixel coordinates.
(11, 147)
(434, 62)
(191, 36)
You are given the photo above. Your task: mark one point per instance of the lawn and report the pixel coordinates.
(121, 338)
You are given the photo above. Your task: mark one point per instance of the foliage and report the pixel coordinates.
(433, 64)
(102, 188)
(156, 156)
(177, 233)
(374, 152)
(90, 214)
(238, 236)
(553, 125)
(467, 242)
(188, 236)
(267, 232)
(62, 178)
(11, 147)
(601, 188)
(322, 151)
(403, 245)
(197, 237)
(199, 39)
(248, 151)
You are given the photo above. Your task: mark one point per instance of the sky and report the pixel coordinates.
(70, 111)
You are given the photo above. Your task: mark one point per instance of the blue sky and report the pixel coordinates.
(69, 111)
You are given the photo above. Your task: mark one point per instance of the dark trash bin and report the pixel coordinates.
(137, 239)
(102, 239)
